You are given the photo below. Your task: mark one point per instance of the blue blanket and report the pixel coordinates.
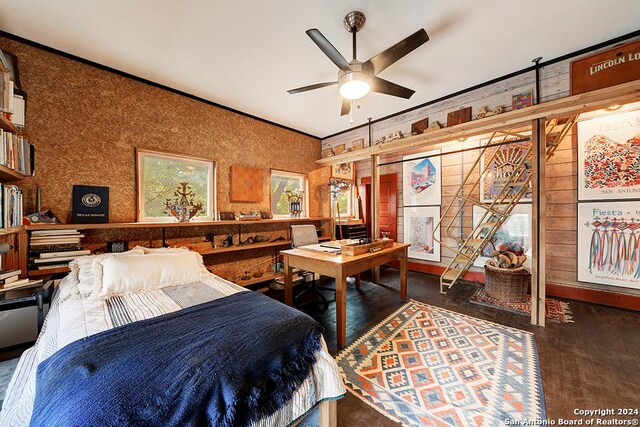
(227, 362)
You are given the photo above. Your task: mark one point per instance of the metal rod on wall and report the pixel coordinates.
(536, 61)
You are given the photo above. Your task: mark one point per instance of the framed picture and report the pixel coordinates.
(159, 175)
(609, 157)
(501, 166)
(522, 100)
(419, 225)
(515, 232)
(608, 238)
(12, 61)
(357, 144)
(344, 171)
(339, 149)
(422, 179)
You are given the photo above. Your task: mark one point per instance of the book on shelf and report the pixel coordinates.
(12, 210)
(60, 254)
(54, 249)
(51, 267)
(16, 152)
(36, 252)
(9, 273)
(53, 232)
(21, 284)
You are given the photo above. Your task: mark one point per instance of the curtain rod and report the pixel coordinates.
(464, 150)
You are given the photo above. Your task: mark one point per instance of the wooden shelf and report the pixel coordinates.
(117, 225)
(9, 175)
(10, 230)
(5, 124)
(48, 272)
(264, 278)
(576, 104)
(253, 246)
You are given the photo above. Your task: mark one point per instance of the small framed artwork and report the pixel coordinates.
(12, 61)
(419, 226)
(343, 171)
(607, 231)
(339, 149)
(327, 152)
(514, 233)
(609, 157)
(421, 179)
(522, 100)
(357, 144)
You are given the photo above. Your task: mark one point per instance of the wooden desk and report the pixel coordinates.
(340, 267)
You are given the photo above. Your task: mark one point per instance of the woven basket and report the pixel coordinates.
(509, 285)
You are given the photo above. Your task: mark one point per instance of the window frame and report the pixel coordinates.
(350, 204)
(305, 184)
(212, 204)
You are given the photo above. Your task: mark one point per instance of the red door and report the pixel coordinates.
(388, 203)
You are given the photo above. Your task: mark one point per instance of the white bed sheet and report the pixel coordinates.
(78, 317)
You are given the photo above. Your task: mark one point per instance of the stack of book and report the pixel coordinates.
(11, 203)
(55, 248)
(10, 281)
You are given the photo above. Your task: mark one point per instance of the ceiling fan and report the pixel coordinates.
(355, 78)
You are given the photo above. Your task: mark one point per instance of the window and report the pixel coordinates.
(159, 176)
(343, 201)
(281, 182)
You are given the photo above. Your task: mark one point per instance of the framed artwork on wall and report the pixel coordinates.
(501, 166)
(609, 243)
(609, 157)
(515, 232)
(422, 179)
(419, 224)
(344, 171)
(158, 176)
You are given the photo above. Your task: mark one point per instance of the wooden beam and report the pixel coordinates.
(597, 99)
(538, 208)
(375, 206)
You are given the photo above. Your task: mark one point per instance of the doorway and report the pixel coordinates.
(388, 204)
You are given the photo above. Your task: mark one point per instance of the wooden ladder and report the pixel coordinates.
(517, 182)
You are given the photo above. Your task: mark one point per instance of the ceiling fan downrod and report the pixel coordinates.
(353, 22)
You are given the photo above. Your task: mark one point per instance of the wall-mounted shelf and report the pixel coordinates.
(9, 175)
(253, 246)
(11, 230)
(5, 124)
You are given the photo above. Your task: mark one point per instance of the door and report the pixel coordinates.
(388, 204)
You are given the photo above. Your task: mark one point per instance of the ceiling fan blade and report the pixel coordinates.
(384, 86)
(328, 49)
(397, 51)
(311, 87)
(346, 107)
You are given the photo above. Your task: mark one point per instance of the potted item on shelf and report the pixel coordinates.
(506, 277)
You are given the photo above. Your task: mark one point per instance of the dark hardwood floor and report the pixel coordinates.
(590, 364)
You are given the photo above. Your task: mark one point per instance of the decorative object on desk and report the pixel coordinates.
(295, 202)
(419, 223)
(421, 179)
(420, 126)
(266, 215)
(40, 217)
(513, 235)
(246, 184)
(463, 115)
(434, 126)
(609, 243)
(226, 216)
(327, 152)
(338, 149)
(118, 246)
(522, 100)
(352, 249)
(609, 156)
(90, 204)
(183, 207)
(228, 241)
(358, 144)
(385, 235)
(343, 171)
(503, 162)
(484, 112)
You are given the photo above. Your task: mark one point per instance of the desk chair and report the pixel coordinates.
(303, 235)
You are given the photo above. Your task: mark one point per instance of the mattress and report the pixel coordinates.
(73, 318)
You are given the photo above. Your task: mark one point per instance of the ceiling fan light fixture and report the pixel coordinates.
(354, 85)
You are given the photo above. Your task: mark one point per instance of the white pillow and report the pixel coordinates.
(179, 250)
(137, 273)
(83, 268)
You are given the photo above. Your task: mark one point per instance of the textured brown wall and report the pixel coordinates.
(85, 123)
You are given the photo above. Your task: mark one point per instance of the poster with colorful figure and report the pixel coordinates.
(513, 235)
(609, 243)
(421, 179)
(419, 226)
(502, 161)
(609, 157)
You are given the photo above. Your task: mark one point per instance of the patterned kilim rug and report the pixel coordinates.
(556, 311)
(427, 366)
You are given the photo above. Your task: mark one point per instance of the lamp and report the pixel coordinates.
(354, 85)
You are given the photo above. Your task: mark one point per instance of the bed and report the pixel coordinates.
(148, 317)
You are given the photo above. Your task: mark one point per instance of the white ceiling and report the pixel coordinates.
(246, 54)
